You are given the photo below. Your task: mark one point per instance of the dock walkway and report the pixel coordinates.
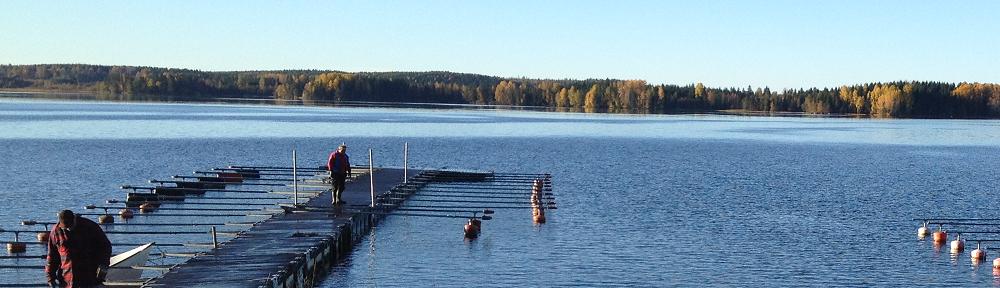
(287, 250)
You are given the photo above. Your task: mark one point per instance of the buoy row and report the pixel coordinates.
(126, 213)
(41, 236)
(940, 237)
(537, 209)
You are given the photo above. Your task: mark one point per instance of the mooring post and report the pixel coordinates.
(406, 156)
(295, 180)
(371, 175)
(215, 239)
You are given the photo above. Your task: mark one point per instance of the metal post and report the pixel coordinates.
(295, 180)
(215, 239)
(406, 156)
(371, 175)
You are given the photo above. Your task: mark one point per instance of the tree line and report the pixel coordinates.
(890, 99)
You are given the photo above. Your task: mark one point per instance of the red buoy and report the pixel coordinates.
(105, 219)
(472, 228)
(940, 237)
(538, 215)
(471, 231)
(43, 236)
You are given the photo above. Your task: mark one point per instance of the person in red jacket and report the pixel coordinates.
(339, 166)
(79, 252)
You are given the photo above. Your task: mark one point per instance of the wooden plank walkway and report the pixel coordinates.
(256, 255)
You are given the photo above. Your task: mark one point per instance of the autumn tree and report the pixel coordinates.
(594, 98)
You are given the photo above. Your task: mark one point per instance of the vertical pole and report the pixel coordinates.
(215, 239)
(371, 175)
(295, 180)
(406, 157)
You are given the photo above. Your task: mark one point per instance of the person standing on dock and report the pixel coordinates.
(79, 252)
(339, 166)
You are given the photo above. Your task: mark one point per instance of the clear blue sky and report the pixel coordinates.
(779, 44)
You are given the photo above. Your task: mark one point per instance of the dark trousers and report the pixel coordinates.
(338, 185)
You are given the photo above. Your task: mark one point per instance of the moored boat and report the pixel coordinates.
(121, 264)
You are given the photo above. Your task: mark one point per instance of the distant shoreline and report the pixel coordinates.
(896, 99)
(91, 96)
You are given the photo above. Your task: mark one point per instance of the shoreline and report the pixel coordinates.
(900, 99)
(84, 95)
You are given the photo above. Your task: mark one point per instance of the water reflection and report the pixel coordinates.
(372, 255)
(21, 119)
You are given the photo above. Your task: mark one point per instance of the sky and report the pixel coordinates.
(776, 44)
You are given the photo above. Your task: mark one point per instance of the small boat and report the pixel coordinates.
(121, 264)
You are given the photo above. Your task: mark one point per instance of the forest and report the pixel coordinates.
(900, 99)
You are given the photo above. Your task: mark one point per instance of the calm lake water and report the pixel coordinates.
(647, 200)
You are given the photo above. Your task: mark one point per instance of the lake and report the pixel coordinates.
(644, 200)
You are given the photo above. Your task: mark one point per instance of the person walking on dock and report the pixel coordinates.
(339, 166)
(79, 252)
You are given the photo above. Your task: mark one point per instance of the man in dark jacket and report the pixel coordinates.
(79, 252)
(339, 166)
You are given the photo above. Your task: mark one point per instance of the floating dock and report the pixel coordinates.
(298, 244)
(291, 250)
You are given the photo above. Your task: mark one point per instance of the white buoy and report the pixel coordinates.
(957, 245)
(977, 255)
(923, 231)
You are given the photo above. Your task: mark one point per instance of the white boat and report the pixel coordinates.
(121, 264)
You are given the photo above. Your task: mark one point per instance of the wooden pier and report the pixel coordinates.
(290, 250)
